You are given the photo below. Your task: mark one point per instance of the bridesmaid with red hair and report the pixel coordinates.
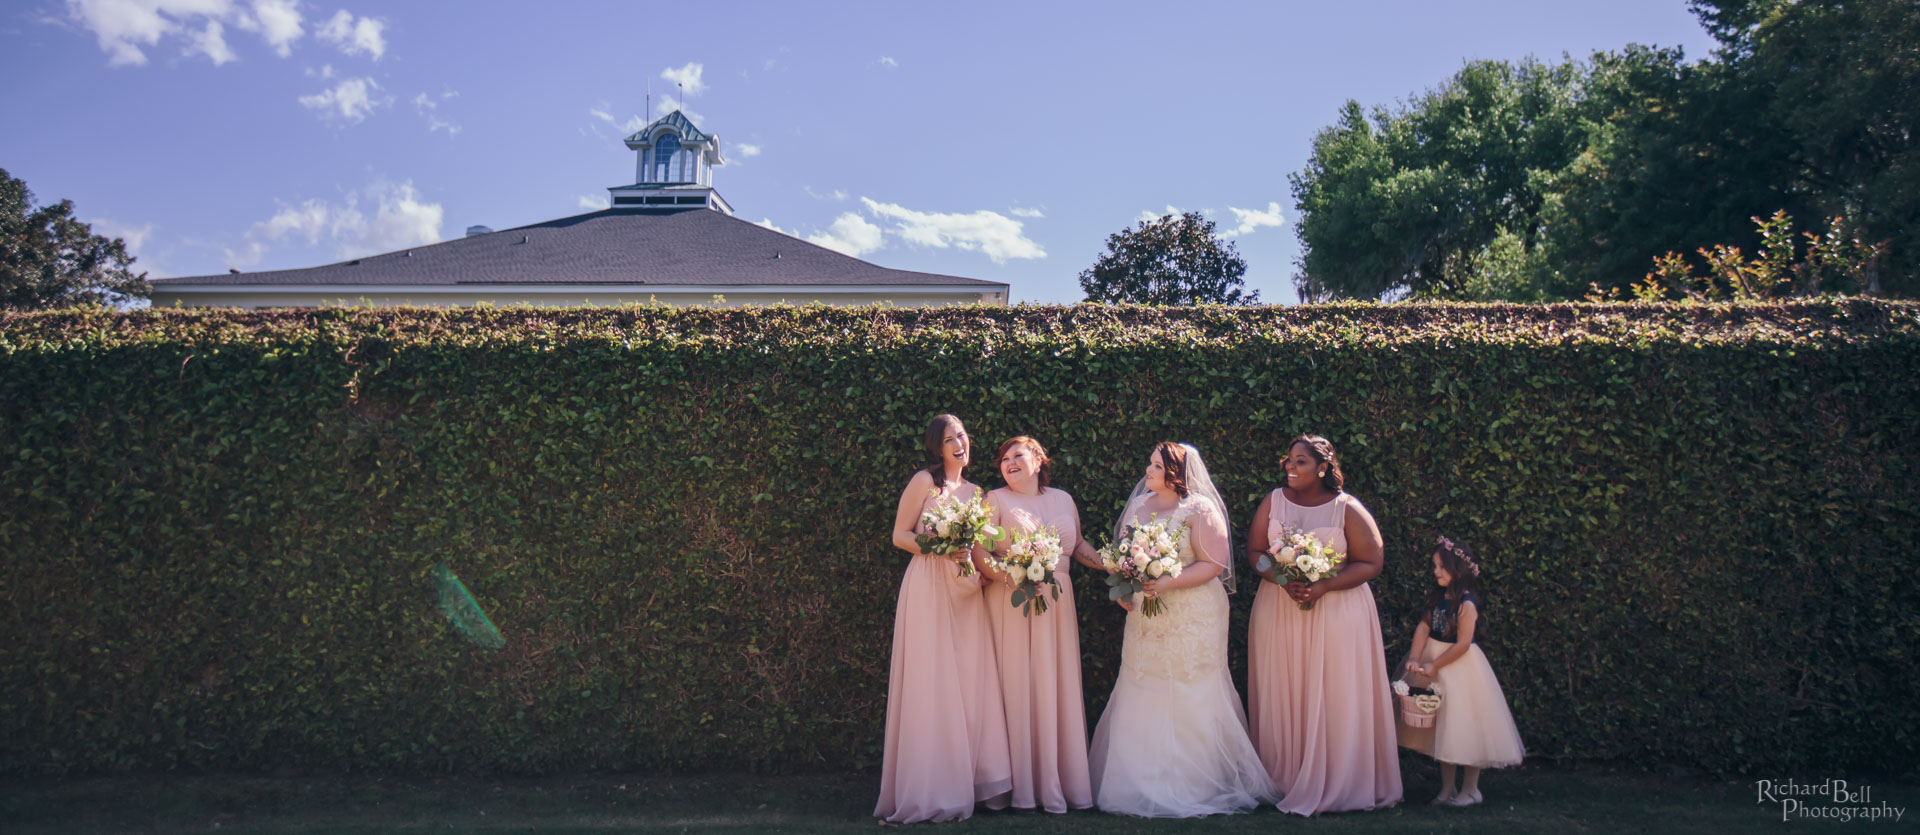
(946, 746)
(1040, 654)
(1318, 705)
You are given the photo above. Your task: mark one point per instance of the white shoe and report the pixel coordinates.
(1465, 798)
(1443, 798)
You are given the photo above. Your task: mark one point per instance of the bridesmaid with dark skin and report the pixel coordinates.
(1307, 488)
(1318, 707)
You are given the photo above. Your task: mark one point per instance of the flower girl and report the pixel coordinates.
(1472, 727)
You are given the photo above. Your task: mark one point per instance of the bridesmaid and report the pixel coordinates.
(1318, 702)
(1040, 655)
(946, 743)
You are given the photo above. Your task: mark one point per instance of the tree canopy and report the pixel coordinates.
(48, 258)
(1534, 181)
(1173, 260)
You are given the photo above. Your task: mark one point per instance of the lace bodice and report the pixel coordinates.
(1187, 641)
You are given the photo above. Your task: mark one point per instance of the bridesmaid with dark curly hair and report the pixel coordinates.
(1317, 698)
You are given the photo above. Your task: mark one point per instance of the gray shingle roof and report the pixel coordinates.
(616, 246)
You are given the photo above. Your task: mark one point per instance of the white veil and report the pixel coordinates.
(1199, 484)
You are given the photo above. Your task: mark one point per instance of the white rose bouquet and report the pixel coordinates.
(1145, 552)
(1302, 557)
(1030, 561)
(951, 529)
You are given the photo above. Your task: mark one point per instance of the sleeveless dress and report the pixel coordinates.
(946, 744)
(1173, 741)
(1040, 668)
(1474, 726)
(1317, 687)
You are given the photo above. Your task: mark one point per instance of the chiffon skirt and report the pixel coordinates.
(1473, 726)
(946, 745)
(1322, 710)
(1040, 687)
(1173, 741)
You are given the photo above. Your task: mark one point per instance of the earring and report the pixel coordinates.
(1323, 473)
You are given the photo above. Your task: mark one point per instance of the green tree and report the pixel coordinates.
(48, 258)
(1416, 201)
(1175, 259)
(1838, 83)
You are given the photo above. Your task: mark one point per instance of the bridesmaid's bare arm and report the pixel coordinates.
(980, 564)
(1257, 542)
(1365, 555)
(1082, 552)
(908, 515)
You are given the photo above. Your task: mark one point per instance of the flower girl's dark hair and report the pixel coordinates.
(1460, 562)
(935, 442)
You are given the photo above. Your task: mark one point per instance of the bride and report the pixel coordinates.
(1173, 741)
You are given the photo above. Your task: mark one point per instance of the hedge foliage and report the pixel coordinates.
(217, 528)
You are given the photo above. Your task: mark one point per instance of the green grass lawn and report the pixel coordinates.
(1546, 798)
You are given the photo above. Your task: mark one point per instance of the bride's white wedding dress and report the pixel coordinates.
(1173, 741)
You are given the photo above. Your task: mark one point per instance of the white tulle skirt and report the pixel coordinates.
(1173, 741)
(1474, 726)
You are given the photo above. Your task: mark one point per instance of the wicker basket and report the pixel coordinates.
(1418, 709)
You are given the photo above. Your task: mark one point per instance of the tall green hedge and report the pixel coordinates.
(216, 528)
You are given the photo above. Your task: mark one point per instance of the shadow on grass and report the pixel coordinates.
(1542, 798)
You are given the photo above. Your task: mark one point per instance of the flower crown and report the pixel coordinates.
(1462, 554)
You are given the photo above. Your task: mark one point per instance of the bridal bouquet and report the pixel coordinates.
(1144, 552)
(1302, 557)
(1030, 561)
(954, 527)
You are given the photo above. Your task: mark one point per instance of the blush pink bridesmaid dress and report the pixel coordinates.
(946, 744)
(1319, 707)
(1040, 667)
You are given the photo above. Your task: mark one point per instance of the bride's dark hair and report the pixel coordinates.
(1173, 459)
(935, 443)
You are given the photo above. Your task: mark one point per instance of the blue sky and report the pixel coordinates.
(994, 140)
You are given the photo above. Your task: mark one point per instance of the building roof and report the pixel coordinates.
(680, 124)
(694, 246)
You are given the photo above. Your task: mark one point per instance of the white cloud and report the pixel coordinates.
(767, 222)
(594, 203)
(633, 124)
(211, 41)
(350, 101)
(667, 105)
(126, 28)
(122, 27)
(355, 36)
(324, 73)
(1033, 213)
(429, 108)
(835, 195)
(998, 236)
(887, 62)
(850, 234)
(688, 77)
(276, 21)
(1251, 219)
(1148, 215)
(747, 149)
(401, 219)
(135, 237)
